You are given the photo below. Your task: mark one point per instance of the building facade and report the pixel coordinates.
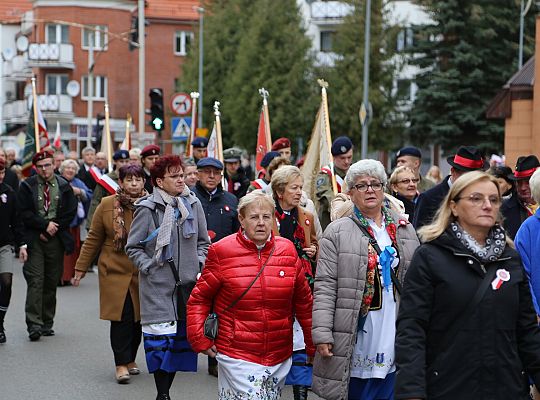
(57, 40)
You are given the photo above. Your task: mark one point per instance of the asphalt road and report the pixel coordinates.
(77, 363)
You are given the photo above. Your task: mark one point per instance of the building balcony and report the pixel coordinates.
(50, 55)
(329, 12)
(17, 69)
(55, 106)
(325, 59)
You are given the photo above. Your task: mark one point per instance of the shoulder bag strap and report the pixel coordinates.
(252, 283)
(375, 245)
(471, 307)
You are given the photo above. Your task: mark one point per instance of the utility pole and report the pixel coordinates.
(200, 10)
(141, 71)
(90, 88)
(523, 10)
(365, 109)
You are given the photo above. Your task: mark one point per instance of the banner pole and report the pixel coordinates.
(34, 105)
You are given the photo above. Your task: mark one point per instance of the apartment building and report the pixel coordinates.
(55, 41)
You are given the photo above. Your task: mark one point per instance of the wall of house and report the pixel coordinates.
(518, 139)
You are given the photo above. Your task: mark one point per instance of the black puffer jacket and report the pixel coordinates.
(491, 355)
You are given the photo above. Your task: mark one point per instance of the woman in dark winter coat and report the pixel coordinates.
(466, 327)
(404, 186)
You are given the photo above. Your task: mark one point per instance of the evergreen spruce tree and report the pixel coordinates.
(468, 54)
(253, 44)
(346, 78)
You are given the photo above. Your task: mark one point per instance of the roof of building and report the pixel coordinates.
(11, 10)
(524, 77)
(172, 9)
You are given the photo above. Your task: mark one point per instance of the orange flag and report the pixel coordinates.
(262, 145)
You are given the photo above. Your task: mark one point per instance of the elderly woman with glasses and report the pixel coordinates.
(168, 242)
(362, 261)
(404, 187)
(466, 327)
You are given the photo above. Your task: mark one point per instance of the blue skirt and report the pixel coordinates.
(372, 389)
(301, 373)
(171, 352)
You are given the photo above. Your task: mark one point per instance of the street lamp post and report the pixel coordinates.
(523, 10)
(365, 101)
(200, 10)
(140, 114)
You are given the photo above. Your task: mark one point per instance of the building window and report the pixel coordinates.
(100, 37)
(182, 41)
(56, 84)
(404, 89)
(100, 88)
(327, 38)
(405, 39)
(55, 33)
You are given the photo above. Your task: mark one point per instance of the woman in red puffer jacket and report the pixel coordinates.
(254, 342)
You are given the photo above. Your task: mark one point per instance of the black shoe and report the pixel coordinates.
(212, 370)
(34, 334)
(47, 332)
(163, 397)
(2, 336)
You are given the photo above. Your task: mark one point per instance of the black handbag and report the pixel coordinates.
(211, 323)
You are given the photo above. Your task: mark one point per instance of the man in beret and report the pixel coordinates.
(88, 160)
(520, 206)
(283, 147)
(220, 208)
(46, 223)
(466, 159)
(107, 184)
(200, 148)
(263, 181)
(342, 151)
(149, 156)
(235, 176)
(412, 157)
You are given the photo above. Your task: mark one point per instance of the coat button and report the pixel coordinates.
(282, 273)
(435, 373)
(470, 261)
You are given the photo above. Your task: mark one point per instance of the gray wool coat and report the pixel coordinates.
(157, 283)
(339, 287)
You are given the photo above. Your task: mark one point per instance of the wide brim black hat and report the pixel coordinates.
(468, 158)
(525, 167)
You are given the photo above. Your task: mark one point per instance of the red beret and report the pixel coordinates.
(281, 143)
(150, 150)
(42, 155)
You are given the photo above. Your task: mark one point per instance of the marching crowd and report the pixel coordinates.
(375, 286)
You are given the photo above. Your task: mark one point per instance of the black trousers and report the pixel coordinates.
(126, 335)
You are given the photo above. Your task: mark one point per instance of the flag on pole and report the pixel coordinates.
(30, 141)
(212, 148)
(262, 145)
(57, 142)
(318, 154)
(126, 143)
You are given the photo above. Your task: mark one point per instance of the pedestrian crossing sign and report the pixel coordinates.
(180, 127)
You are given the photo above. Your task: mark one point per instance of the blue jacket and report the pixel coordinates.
(527, 242)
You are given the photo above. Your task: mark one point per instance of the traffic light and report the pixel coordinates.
(157, 120)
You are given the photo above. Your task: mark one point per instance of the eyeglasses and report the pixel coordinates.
(362, 187)
(174, 177)
(478, 199)
(408, 181)
(44, 166)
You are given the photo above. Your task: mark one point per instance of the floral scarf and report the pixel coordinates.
(122, 201)
(369, 289)
(291, 229)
